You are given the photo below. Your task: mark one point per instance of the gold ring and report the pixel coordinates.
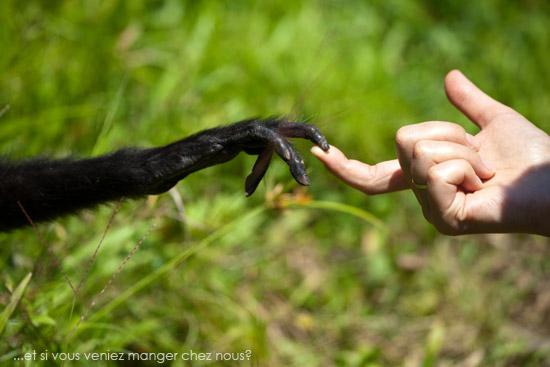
(418, 186)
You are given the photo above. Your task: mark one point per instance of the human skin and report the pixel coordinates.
(497, 180)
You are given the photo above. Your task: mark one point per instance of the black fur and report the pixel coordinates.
(46, 188)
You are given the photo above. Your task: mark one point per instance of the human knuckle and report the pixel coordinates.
(422, 148)
(463, 165)
(455, 128)
(459, 132)
(434, 174)
(403, 136)
(345, 167)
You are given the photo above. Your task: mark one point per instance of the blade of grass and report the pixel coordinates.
(147, 280)
(14, 301)
(92, 260)
(110, 117)
(342, 208)
(4, 110)
(177, 260)
(84, 315)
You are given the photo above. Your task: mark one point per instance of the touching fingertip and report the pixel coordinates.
(317, 151)
(454, 72)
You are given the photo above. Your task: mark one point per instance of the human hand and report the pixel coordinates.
(495, 181)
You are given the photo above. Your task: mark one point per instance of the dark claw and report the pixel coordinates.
(258, 171)
(298, 170)
(289, 154)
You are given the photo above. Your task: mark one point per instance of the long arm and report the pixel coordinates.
(46, 188)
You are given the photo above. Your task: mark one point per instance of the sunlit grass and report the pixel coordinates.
(332, 277)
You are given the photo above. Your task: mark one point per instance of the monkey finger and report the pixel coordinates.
(258, 171)
(300, 130)
(297, 167)
(289, 154)
(254, 150)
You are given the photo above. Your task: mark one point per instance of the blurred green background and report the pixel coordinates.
(286, 274)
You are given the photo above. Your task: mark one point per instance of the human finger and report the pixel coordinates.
(380, 178)
(407, 137)
(427, 153)
(447, 186)
(472, 101)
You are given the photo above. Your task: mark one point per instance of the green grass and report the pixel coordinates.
(343, 280)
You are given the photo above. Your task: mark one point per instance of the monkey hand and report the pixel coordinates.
(263, 137)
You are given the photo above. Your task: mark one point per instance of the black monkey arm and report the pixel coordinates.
(46, 188)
